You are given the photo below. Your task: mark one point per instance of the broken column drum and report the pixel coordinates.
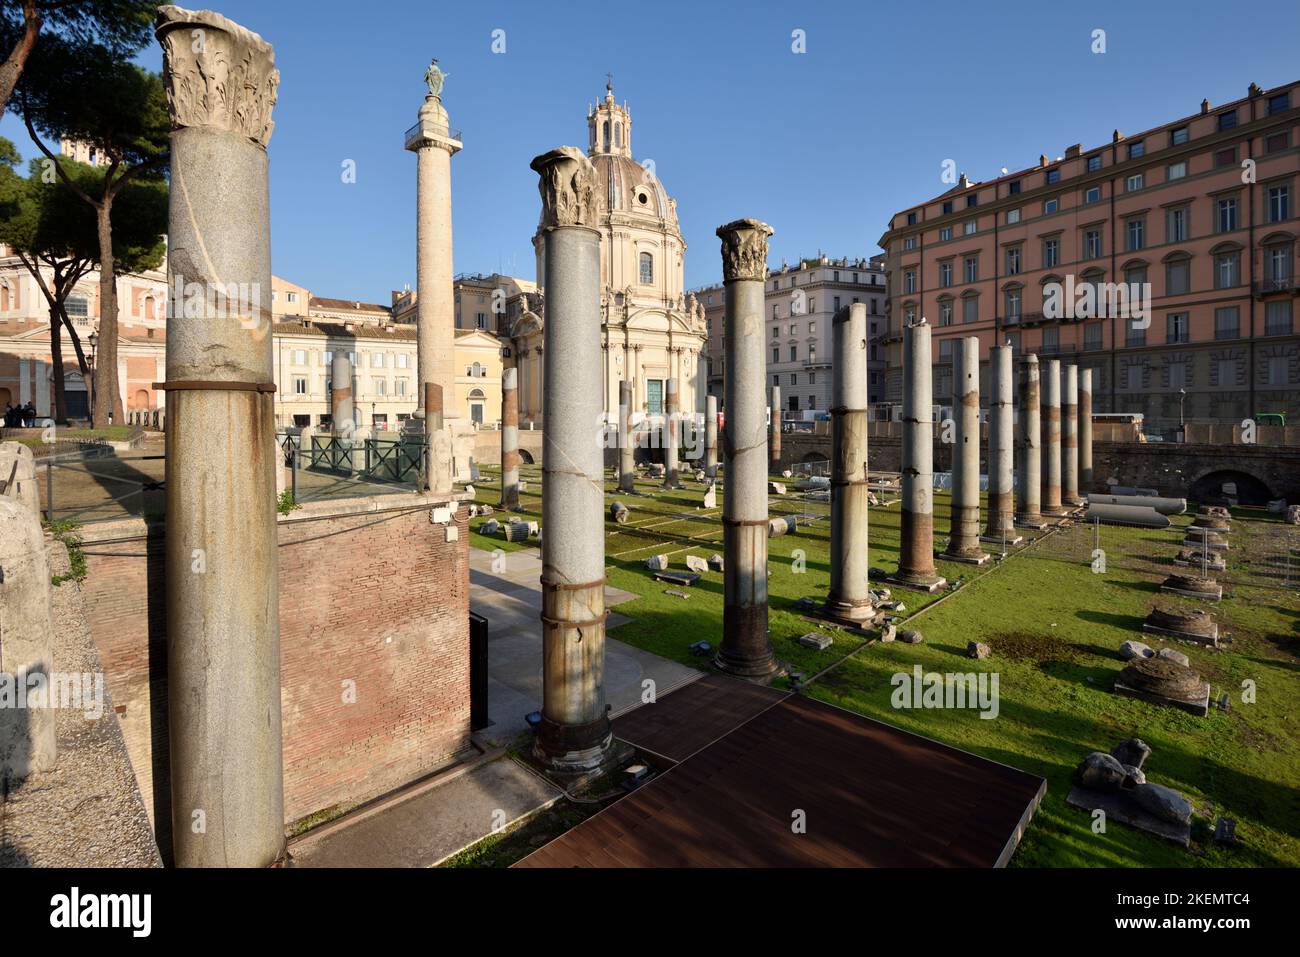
(342, 416)
(223, 640)
(1070, 437)
(510, 439)
(963, 539)
(1001, 502)
(745, 649)
(1028, 450)
(574, 735)
(626, 446)
(850, 594)
(711, 436)
(916, 554)
(1052, 439)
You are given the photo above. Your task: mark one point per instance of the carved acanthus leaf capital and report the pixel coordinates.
(218, 74)
(744, 249)
(569, 188)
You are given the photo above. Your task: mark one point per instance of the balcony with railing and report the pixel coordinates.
(432, 132)
(1266, 287)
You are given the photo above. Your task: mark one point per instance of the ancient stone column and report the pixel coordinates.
(1052, 440)
(575, 731)
(671, 439)
(1001, 505)
(434, 144)
(775, 443)
(963, 539)
(850, 595)
(745, 649)
(223, 638)
(1070, 437)
(916, 554)
(626, 442)
(510, 439)
(1085, 431)
(341, 415)
(1028, 447)
(711, 436)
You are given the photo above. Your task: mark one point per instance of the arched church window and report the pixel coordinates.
(605, 133)
(618, 134)
(647, 269)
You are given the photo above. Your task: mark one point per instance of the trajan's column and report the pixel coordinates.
(434, 143)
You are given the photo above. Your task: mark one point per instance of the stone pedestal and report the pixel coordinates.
(745, 651)
(575, 735)
(963, 538)
(916, 553)
(1028, 448)
(223, 641)
(850, 594)
(510, 439)
(1000, 528)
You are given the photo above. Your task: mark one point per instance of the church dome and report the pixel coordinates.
(627, 186)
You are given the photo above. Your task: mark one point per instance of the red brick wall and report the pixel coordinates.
(379, 598)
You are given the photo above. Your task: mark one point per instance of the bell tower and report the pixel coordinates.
(609, 125)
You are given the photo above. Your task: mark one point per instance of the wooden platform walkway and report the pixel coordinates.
(752, 761)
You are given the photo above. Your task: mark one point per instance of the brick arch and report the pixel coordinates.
(1251, 489)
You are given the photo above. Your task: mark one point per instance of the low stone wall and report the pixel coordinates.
(374, 647)
(487, 446)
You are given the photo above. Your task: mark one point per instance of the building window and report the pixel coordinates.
(1279, 102)
(1092, 244)
(1278, 206)
(299, 385)
(399, 387)
(969, 227)
(1136, 233)
(970, 309)
(972, 200)
(945, 274)
(945, 234)
(972, 269)
(1135, 336)
(1225, 157)
(1052, 176)
(837, 303)
(1178, 136)
(1013, 260)
(1227, 269)
(909, 243)
(1050, 206)
(403, 360)
(1176, 171)
(1013, 187)
(945, 351)
(909, 281)
(947, 206)
(1177, 374)
(1277, 318)
(376, 360)
(911, 219)
(1178, 274)
(1176, 327)
(1137, 149)
(1094, 163)
(794, 353)
(945, 313)
(1013, 216)
(1051, 340)
(1277, 266)
(381, 386)
(1228, 120)
(1134, 183)
(1092, 194)
(1227, 215)
(1092, 337)
(1051, 252)
(647, 269)
(1227, 324)
(1276, 142)
(776, 354)
(1276, 370)
(1013, 305)
(1176, 225)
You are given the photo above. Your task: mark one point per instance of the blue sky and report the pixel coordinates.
(824, 145)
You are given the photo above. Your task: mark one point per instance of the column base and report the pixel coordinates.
(925, 583)
(847, 614)
(975, 557)
(752, 665)
(1012, 539)
(575, 749)
(1035, 522)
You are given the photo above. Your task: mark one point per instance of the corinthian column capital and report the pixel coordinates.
(744, 249)
(568, 184)
(218, 74)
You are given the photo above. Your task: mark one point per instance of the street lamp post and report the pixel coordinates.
(93, 339)
(1182, 423)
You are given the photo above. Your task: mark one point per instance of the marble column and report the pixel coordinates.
(626, 442)
(223, 639)
(671, 434)
(745, 650)
(1070, 437)
(916, 554)
(775, 442)
(510, 439)
(1028, 447)
(1001, 504)
(1052, 439)
(1085, 431)
(342, 418)
(575, 734)
(711, 436)
(434, 143)
(963, 538)
(850, 594)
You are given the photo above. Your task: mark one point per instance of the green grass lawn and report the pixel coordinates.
(1054, 626)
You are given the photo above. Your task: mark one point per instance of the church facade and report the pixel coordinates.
(651, 329)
